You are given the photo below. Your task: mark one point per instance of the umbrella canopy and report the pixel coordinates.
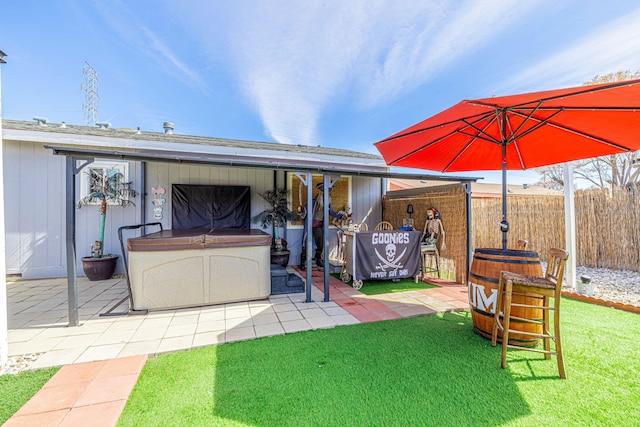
(522, 131)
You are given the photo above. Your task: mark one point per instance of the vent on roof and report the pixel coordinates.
(103, 125)
(168, 127)
(42, 121)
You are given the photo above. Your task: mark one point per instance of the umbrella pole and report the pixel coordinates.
(504, 225)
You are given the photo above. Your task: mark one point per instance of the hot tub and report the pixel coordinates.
(190, 268)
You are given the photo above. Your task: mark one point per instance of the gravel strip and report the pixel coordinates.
(611, 285)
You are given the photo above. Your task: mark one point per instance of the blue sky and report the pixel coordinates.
(337, 73)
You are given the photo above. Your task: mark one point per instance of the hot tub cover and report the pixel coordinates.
(171, 240)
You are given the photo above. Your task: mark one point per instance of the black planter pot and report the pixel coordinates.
(99, 268)
(280, 258)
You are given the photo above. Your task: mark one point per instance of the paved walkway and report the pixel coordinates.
(108, 353)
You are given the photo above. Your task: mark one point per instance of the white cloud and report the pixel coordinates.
(434, 39)
(293, 59)
(610, 48)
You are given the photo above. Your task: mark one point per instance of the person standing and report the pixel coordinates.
(317, 224)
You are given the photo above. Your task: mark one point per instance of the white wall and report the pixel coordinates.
(34, 211)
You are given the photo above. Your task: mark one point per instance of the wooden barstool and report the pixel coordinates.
(549, 286)
(426, 251)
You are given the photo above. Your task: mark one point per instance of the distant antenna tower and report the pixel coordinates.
(91, 98)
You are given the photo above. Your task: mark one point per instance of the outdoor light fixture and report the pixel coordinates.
(2, 55)
(410, 209)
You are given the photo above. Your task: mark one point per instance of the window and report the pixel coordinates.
(340, 194)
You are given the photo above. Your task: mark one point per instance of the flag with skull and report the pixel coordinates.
(385, 255)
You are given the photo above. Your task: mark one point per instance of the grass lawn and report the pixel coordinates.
(16, 390)
(430, 370)
(377, 287)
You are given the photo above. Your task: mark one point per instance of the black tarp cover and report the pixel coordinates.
(210, 206)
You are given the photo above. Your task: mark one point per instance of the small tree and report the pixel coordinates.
(277, 215)
(106, 186)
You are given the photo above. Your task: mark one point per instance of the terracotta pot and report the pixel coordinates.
(99, 268)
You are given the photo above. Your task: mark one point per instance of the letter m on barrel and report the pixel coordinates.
(480, 300)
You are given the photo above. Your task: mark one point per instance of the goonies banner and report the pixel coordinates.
(385, 254)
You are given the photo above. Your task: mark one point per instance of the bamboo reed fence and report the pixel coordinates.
(607, 225)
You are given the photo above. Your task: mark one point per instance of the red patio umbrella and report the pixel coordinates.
(523, 131)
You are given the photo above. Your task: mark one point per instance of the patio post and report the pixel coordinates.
(570, 223)
(72, 279)
(326, 182)
(4, 313)
(309, 237)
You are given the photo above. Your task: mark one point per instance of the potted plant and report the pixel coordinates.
(106, 187)
(276, 216)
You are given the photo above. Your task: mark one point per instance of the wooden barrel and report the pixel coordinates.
(483, 292)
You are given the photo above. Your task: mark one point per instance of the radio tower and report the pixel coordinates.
(91, 98)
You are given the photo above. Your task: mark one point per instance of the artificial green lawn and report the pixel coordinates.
(377, 287)
(429, 370)
(16, 390)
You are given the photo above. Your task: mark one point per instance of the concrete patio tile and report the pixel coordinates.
(261, 310)
(75, 341)
(218, 325)
(148, 333)
(33, 346)
(185, 319)
(172, 344)
(100, 352)
(278, 299)
(180, 330)
(285, 306)
(288, 316)
(306, 305)
(18, 335)
(321, 322)
(140, 347)
(334, 311)
(239, 312)
(90, 328)
(240, 334)
(208, 338)
(115, 336)
(211, 316)
(295, 326)
(127, 323)
(313, 312)
(265, 319)
(327, 304)
(156, 322)
(259, 303)
(239, 322)
(58, 358)
(268, 330)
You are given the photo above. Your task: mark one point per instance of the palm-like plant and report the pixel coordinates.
(106, 186)
(277, 215)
